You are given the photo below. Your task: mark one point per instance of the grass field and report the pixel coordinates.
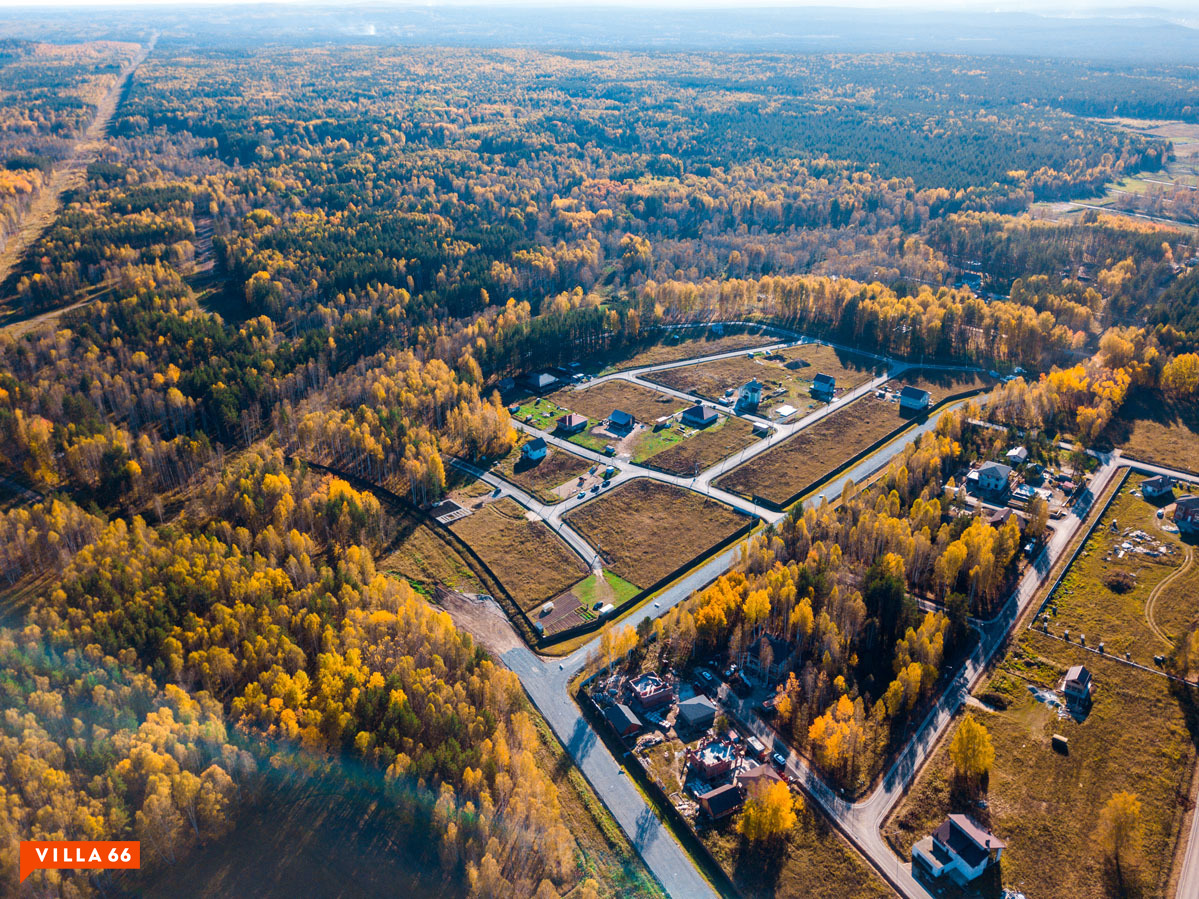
(815, 863)
(1140, 736)
(1157, 431)
(1147, 619)
(598, 402)
(540, 478)
(647, 529)
(705, 448)
(424, 559)
(528, 558)
(781, 472)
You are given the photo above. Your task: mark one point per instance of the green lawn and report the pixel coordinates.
(618, 590)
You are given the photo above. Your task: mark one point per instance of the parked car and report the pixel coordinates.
(597, 605)
(706, 676)
(780, 761)
(582, 494)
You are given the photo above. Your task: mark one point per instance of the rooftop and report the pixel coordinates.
(967, 840)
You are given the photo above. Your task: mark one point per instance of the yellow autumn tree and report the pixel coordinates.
(770, 815)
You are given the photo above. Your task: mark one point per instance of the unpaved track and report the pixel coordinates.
(1151, 602)
(67, 175)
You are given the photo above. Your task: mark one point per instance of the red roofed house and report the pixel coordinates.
(959, 848)
(1186, 514)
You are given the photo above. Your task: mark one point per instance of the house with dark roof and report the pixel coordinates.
(824, 386)
(539, 381)
(913, 399)
(993, 478)
(721, 802)
(695, 714)
(620, 420)
(572, 423)
(699, 416)
(1000, 517)
(1158, 487)
(534, 450)
(767, 666)
(757, 779)
(1186, 514)
(960, 849)
(622, 719)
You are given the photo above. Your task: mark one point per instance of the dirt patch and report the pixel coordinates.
(529, 559)
(597, 402)
(780, 473)
(646, 529)
(483, 619)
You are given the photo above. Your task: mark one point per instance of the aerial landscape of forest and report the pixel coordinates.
(498, 452)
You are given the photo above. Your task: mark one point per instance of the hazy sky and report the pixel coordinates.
(1044, 6)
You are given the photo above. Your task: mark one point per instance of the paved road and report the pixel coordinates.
(547, 682)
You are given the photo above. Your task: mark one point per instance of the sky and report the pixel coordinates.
(1050, 7)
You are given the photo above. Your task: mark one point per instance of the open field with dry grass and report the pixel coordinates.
(786, 376)
(422, 557)
(689, 344)
(598, 402)
(1157, 431)
(815, 863)
(646, 529)
(528, 558)
(1140, 736)
(705, 448)
(781, 472)
(1149, 617)
(943, 383)
(540, 478)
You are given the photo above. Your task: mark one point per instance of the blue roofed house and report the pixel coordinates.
(620, 420)
(824, 386)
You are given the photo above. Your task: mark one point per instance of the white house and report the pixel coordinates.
(750, 395)
(913, 399)
(1078, 684)
(1017, 455)
(960, 849)
(993, 478)
(1158, 487)
(824, 386)
(534, 450)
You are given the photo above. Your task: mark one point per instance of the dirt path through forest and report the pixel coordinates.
(66, 175)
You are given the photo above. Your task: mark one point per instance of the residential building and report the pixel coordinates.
(572, 423)
(1158, 487)
(540, 381)
(712, 758)
(1078, 684)
(824, 386)
(1186, 514)
(649, 691)
(695, 714)
(913, 399)
(993, 478)
(758, 778)
(767, 666)
(622, 719)
(534, 450)
(620, 420)
(722, 802)
(960, 849)
(699, 416)
(1017, 455)
(750, 395)
(1000, 518)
